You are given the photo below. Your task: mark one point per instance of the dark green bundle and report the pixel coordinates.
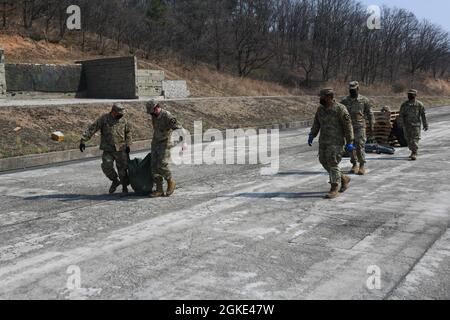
(140, 174)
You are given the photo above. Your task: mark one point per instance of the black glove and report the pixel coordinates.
(128, 150)
(425, 128)
(82, 146)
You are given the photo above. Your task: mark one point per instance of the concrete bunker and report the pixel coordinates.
(108, 78)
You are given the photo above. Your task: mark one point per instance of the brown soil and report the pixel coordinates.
(27, 130)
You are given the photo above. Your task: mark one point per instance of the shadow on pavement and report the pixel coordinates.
(302, 173)
(78, 197)
(389, 158)
(273, 195)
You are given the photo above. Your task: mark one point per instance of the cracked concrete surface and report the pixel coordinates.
(230, 233)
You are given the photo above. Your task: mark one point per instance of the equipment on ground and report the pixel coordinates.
(388, 128)
(57, 136)
(376, 148)
(140, 174)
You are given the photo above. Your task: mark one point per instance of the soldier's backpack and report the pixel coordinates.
(139, 171)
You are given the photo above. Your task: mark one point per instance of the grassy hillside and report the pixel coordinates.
(203, 80)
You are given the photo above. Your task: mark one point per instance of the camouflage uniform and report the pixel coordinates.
(360, 109)
(335, 127)
(163, 126)
(115, 137)
(412, 116)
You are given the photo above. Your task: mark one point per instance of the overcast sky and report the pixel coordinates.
(436, 11)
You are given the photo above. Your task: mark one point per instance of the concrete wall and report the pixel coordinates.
(150, 83)
(2, 73)
(175, 89)
(44, 77)
(113, 78)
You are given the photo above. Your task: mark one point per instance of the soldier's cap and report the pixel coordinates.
(413, 91)
(326, 92)
(353, 85)
(119, 108)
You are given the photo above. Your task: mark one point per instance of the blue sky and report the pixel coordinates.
(436, 11)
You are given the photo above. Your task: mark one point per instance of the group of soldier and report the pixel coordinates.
(116, 141)
(343, 128)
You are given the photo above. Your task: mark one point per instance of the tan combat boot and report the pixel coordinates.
(414, 156)
(362, 170)
(354, 169)
(334, 192)
(159, 192)
(345, 183)
(171, 185)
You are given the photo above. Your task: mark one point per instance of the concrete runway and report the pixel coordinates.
(230, 233)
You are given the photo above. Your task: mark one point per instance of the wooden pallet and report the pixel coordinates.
(384, 122)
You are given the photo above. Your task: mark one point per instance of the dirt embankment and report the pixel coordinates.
(27, 130)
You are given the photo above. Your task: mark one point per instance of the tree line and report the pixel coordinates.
(289, 41)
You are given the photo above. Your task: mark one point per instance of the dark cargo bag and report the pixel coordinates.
(140, 175)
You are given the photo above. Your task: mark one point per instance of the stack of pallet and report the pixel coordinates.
(384, 122)
(393, 139)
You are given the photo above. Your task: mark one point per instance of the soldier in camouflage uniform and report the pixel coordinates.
(360, 109)
(333, 122)
(412, 116)
(163, 125)
(116, 140)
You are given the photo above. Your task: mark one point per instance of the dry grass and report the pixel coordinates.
(203, 79)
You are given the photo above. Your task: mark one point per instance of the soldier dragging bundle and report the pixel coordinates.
(116, 140)
(333, 122)
(163, 125)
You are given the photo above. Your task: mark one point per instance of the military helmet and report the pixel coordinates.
(151, 105)
(326, 92)
(386, 109)
(118, 108)
(353, 85)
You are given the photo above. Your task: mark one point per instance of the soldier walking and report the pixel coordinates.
(412, 116)
(116, 140)
(360, 109)
(163, 125)
(333, 122)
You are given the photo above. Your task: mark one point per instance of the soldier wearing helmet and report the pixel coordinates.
(116, 140)
(164, 123)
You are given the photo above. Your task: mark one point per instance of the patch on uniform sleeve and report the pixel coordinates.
(347, 117)
(173, 122)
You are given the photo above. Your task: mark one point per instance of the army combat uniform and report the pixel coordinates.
(335, 127)
(163, 126)
(412, 116)
(115, 138)
(360, 109)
